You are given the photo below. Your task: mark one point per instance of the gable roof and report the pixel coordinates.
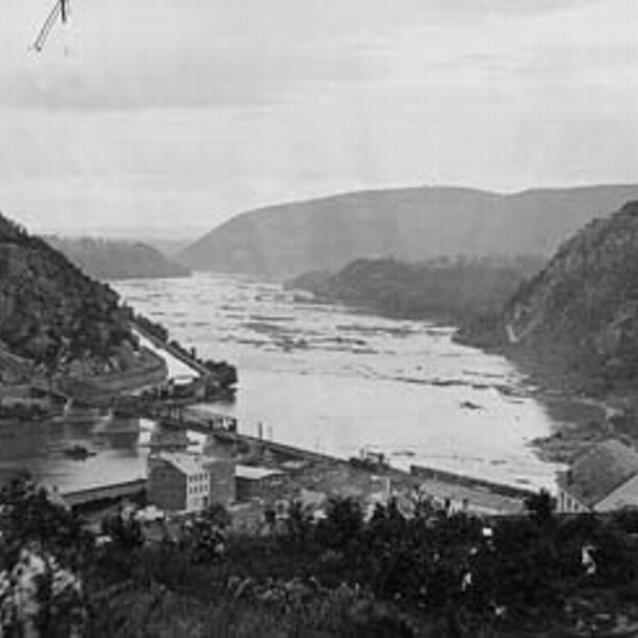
(599, 471)
(254, 473)
(186, 463)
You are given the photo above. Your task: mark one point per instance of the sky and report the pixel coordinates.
(167, 117)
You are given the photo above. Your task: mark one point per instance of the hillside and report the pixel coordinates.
(447, 290)
(580, 312)
(53, 317)
(113, 259)
(411, 224)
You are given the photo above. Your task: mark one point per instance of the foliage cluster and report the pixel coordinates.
(580, 313)
(50, 312)
(455, 572)
(465, 290)
(432, 574)
(154, 328)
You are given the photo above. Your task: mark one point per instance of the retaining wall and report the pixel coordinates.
(431, 473)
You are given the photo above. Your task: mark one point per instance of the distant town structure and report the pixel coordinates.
(260, 482)
(602, 479)
(223, 487)
(178, 481)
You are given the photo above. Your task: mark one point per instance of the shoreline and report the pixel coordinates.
(579, 418)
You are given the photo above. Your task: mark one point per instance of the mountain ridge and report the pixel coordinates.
(444, 290)
(411, 224)
(108, 259)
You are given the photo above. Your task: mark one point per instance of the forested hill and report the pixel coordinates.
(53, 314)
(582, 309)
(410, 224)
(112, 259)
(458, 290)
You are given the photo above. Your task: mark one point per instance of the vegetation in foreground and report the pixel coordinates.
(437, 574)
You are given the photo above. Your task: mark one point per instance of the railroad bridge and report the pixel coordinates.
(182, 414)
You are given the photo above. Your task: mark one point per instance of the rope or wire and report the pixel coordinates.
(61, 8)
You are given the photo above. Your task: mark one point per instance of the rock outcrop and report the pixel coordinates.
(581, 310)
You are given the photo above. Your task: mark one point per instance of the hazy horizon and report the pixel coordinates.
(170, 118)
(184, 235)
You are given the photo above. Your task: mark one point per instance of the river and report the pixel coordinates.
(323, 377)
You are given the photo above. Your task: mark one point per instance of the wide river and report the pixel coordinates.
(322, 377)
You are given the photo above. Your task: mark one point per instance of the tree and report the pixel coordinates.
(342, 526)
(540, 507)
(42, 552)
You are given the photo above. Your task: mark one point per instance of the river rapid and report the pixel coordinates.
(324, 377)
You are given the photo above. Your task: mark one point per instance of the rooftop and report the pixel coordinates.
(255, 473)
(599, 471)
(184, 462)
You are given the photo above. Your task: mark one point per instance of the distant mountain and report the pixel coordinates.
(581, 311)
(117, 259)
(410, 224)
(168, 247)
(57, 321)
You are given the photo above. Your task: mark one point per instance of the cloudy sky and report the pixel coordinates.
(169, 116)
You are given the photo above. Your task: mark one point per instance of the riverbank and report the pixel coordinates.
(582, 412)
(586, 402)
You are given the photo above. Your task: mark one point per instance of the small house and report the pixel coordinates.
(602, 479)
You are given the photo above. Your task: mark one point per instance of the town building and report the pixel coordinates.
(602, 479)
(178, 482)
(263, 483)
(223, 489)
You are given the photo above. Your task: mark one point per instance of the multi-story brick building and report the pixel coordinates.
(178, 481)
(182, 482)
